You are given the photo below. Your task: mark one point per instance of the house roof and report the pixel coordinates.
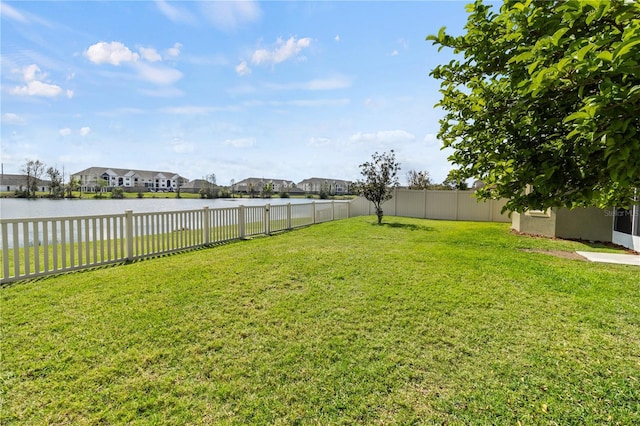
(315, 180)
(141, 174)
(194, 184)
(17, 180)
(254, 180)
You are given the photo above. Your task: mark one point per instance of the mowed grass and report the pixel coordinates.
(346, 322)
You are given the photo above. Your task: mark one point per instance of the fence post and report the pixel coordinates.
(395, 201)
(288, 215)
(313, 206)
(129, 233)
(267, 219)
(491, 206)
(206, 221)
(241, 221)
(457, 203)
(333, 210)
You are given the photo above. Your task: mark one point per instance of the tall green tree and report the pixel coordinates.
(380, 178)
(72, 185)
(543, 101)
(32, 170)
(56, 186)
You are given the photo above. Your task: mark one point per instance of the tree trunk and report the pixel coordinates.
(379, 214)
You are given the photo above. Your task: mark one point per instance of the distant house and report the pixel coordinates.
(194, 186)
(331, 186)
(12, 183)
(95, 179)
(254, 185)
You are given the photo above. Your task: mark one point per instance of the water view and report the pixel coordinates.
(17, 208)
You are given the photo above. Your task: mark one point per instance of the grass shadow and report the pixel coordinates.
(408, 226)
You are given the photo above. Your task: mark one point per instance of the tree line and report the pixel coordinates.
(34, 170)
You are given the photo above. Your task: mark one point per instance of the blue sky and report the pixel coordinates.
(270, 89)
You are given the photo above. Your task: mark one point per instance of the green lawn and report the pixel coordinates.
(346, 322)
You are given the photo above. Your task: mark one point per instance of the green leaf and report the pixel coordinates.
(583, 51)
(578, 115)
(605, 56)
(523, 57)
(626, 46)
(555, 38)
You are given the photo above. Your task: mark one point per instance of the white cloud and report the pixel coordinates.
(84, 131)
(243, 69)
(11, 118)
(241, 142)
(157, 74)
(65, 132)
(150, 54)
(116, 53)
(113, 53)
(174, 13)
(337, 38)
(383, 136)
(11, 13)
(37, 88)
(282, 51)
(229, 15)
(174, 51)
(430, 138)
(395, 53)
(32, 72)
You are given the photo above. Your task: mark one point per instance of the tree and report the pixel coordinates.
(267, 190)
(543, 103)
(32, 170)
(380, 177)
(101, 186)
(117, 192)
(56, 187)
(418, 179)
(208, 190)
(73, 185)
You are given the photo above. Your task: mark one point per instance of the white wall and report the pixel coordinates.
(426, 204)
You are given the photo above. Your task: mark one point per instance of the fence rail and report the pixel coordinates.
(38, 247)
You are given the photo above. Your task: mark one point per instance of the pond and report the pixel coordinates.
(18, 208)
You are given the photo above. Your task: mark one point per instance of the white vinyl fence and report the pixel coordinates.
(43, 246)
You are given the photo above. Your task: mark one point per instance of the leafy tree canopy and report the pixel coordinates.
(380, 177)
(544, 103)
(418, 179)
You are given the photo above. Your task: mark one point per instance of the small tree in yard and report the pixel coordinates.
(380, 178)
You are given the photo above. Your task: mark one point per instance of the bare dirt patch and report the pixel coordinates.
(558, 253)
